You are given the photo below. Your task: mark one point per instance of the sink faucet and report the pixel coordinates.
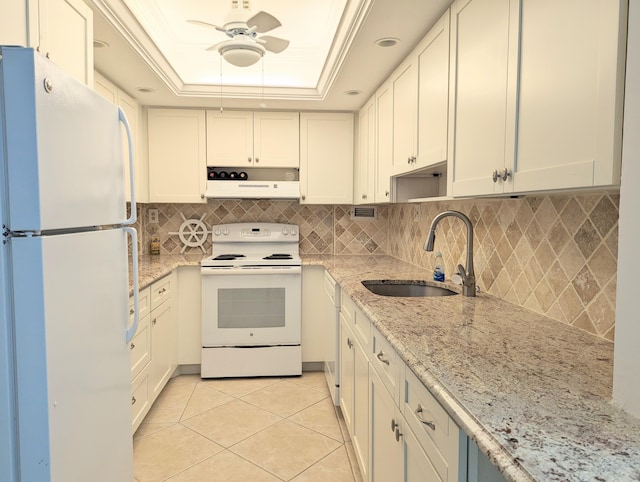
(468, 276)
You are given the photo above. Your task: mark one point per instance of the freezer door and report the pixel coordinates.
(72, 360)
(63, 147)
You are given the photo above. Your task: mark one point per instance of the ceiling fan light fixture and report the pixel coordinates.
(241, 54)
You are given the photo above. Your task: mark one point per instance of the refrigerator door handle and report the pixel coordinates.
(131, 331)
(123, 119)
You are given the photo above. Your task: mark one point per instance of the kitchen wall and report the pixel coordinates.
(555, 255)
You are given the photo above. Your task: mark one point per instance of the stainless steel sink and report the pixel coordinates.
(405, 288)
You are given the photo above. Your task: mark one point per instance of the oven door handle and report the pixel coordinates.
(284, 270)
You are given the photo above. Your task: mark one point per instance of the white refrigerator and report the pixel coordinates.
(65, 398)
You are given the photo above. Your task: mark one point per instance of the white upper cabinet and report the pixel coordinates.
(433, 95)
(536, 94)
(366, 162)
(60, 29)
(482, 89)
(326, 158)
(177, 155)
(131, 109)
(570, 94)
(253, 139)
(384, 143)
(405, 116)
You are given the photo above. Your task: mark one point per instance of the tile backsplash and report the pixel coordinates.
(555, 255)
(323, 229)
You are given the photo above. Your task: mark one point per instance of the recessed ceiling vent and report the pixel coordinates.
(363, 213)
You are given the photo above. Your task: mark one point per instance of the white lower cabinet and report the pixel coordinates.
(354, 397)
(398, 429)
(154, 348)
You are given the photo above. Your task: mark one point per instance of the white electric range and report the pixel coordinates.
(251, 301)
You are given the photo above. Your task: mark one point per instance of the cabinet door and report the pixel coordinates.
(386, 434)
(347, 371)
(433, 95)
(570, 94)
(162, 341)
(66, 36)
(177, 155)
(326, 158)
(229, 138)
(365, 166)
(418, 467)
(405, 118)
(360, 437)
(384, 148)
(276, 139)
(482, 108)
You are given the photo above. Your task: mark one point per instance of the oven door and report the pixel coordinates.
(251, 306)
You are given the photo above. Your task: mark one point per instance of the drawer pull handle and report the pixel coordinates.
(131, 311)
(162, 291)
(349, 343)
(418, 413)
(154, 321)
(133, 400)
(398, 435)
(132, 346)
(394, 425)
(381, 356)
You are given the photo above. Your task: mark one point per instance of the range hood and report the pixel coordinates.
(229, 189)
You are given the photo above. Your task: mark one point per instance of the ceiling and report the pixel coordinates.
(161, 60)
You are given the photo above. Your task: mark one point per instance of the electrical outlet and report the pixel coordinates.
(153, 216)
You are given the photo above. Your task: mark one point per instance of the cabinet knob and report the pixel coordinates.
(202, 196)
(249, 160)
(495, 175)
(257, 160)
(303, 197)
(409, 160)
(364, 196)
(133, 400)
(398, 435)
(154, 321)
(505, 174)
(131, 311)
(132, 346)
(428, 423)
(349, 343)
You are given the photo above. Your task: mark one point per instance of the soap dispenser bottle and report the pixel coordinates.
(438, 270)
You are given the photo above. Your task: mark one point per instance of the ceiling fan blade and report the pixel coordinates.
(273, 44)
(215, 46)
(206, 24)
(263, 22)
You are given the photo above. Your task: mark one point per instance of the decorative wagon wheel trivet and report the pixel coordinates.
(193, 233)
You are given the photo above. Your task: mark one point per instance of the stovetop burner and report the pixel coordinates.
(278, 256)
(228, 257)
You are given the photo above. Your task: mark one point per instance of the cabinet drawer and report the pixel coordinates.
(144, 305)
(357, 320)
(437, 433)
(140, 347)
(161, 291)
(140, 401)
(384, 361)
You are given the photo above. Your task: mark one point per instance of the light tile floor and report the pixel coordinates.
(245, 429)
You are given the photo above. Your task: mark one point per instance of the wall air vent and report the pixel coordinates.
(362, 213)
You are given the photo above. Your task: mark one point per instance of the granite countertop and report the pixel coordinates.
(534, 393)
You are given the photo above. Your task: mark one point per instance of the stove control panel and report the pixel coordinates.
(256, 232)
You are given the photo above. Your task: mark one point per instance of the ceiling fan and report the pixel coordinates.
(245, 47)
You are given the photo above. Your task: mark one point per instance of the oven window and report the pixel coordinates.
(251, 307)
